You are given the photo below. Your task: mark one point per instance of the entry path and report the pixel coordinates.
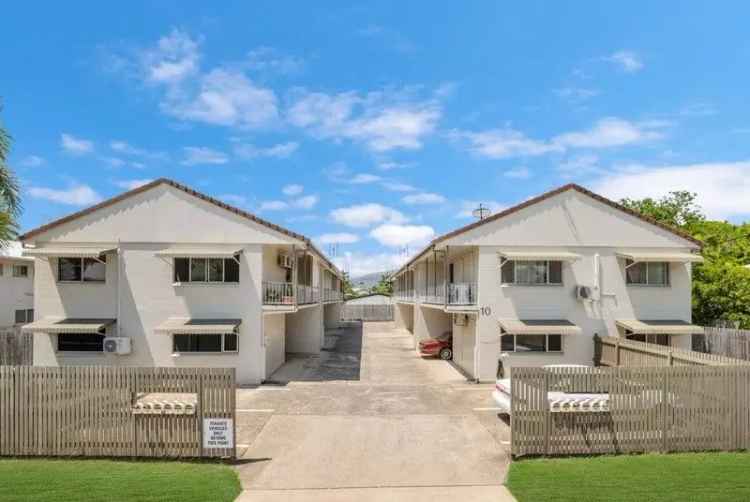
(370, 420)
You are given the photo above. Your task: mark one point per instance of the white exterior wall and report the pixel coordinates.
(304, 330)
(403, 316)
(16, 293)
(160, 218)
(274, 330)
(332, 314)
(464, 344)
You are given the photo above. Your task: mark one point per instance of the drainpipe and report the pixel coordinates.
(119, 285)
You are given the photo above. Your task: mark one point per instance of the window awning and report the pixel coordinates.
(186, 326)
(69, 325)
(642, 327)
(540, 255)
(539, 327)
(660, 256)
(216, 252)
(69, 252)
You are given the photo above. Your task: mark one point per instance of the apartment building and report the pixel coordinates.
(166, 276)
(533, 284)
(16, 286)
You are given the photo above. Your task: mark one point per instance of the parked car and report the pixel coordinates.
(441, 346)
(501, 394)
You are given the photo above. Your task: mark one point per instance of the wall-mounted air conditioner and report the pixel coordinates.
(285, 261)
(583, 293)
(119, 345)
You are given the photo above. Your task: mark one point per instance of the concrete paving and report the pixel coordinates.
(369, 419)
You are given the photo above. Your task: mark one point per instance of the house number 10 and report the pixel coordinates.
(485, 311)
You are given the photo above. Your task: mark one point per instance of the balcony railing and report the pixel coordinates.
(307, 294)
(404, 296)
(278, 293)
(462, 293)
(331, 295)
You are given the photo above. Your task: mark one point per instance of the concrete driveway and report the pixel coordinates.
(370, 420)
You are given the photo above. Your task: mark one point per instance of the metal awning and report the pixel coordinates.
(539, 255)
(668, 327)
(539, 327)
(215, 252)
(187, 326)
(69, 252)
(69, 325)
(666, 256)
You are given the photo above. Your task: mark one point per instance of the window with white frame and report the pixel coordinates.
(206, 270)
(531, 343)
(81, 269)
(228, 342)
(647, 273)
(20, 270)
(657, 339)
(80, 342)
(24, 316)
(531, 272)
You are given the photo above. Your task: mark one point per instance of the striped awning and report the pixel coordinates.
(539, 327)
(69, 252)
(667, 327)
(187, 326)
(539, 255)
(213, 252)
(651, 256)
(69, 325)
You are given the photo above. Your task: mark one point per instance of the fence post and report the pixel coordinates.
(617, 352)
(547, 414)
(670, 358)
(663, 409)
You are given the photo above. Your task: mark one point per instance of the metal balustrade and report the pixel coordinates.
(278, 293)
(462, 293)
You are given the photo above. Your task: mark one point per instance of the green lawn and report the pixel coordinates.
(674, 477)
(108, 480)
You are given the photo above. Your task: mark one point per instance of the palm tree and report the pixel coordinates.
(10, 199)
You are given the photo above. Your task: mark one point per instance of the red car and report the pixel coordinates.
(441, 346)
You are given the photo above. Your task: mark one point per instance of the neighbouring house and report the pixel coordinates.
(535, 283)
(166, 276)
(16, 286)
(373, 299)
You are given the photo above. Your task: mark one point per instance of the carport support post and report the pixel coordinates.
(446, 254)
(295, 266)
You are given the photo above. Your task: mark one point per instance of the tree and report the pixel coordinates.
(10, 200)
(347, 287)
(721, 285)
(384, 286)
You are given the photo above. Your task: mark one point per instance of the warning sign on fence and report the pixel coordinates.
(218, 433)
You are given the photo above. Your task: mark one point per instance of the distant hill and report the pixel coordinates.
(367, 281)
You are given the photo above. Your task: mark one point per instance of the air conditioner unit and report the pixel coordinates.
(285, 261)
(583, 292)
(119, 345)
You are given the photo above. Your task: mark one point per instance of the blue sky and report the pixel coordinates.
(381, 125)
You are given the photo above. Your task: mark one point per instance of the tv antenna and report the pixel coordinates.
(481, 212)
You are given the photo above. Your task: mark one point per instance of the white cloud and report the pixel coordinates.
(76, 195)
(608, 132)
(132, 184)
(236, 200)
(394, 235)
(338, 238)
(273, 205)
(364, 178)
(75, 146)
(175, 57)
(423, 198)
(292, 189)
(381, 120)
(125, 148)
(364, 215)
(358, 264)
(390, 165)
(306, 202)
(395, 186)
(628, 61)
(576, 95)
(579, 166)
(198, 155)
(722, 188)
(270, 60)
(468, 206)
(520, 173)
(32, 161)
(278, 151)
(699, 110)
(113, 161)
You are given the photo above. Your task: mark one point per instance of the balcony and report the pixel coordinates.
(307, 295)
(278, 293)
(331, 295)
(404, 296)
(462, 293)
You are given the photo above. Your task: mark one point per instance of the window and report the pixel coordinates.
(531, 272)
(20, 271)
(531, 343)
(214, 270)
(656, 339)
(81, 269)
(80, 342)
(24, 316)
(647, 273)
(205, 343)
